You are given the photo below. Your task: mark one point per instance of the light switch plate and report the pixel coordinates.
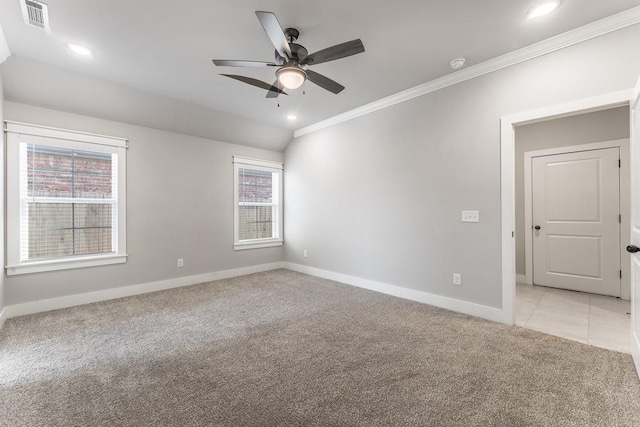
(470, 216)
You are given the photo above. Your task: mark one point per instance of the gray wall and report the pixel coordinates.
(600, 126)
(179, 205)
(379, 197)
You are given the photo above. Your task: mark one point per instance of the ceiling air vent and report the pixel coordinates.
(35, 13)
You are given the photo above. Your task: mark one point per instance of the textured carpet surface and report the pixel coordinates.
(282, 348)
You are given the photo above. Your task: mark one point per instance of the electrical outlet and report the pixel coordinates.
(470, 216)
(305, 254)
(457, 279)
(180, 262)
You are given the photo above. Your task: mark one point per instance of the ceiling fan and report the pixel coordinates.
(292, 60)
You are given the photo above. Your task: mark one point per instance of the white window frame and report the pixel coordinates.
(261, 165)
(17, 133)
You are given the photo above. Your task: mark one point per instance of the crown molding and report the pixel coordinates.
(595, 29)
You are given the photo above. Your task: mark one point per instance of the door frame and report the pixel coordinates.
(624, 204)
(507, 177)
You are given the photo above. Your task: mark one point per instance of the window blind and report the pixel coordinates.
(257, 204)
(68, 202)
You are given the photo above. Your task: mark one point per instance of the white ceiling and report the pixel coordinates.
(166, 47)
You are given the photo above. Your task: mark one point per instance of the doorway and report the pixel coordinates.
(511, 127)
(572, 197)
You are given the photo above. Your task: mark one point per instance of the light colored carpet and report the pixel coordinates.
(282, 348)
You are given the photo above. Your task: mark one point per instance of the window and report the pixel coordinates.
(257, 203)
(65, 199)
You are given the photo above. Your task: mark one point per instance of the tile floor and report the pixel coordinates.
(588, 318)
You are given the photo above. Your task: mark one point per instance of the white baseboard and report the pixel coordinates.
(521, 278)
(126, 291)
(3, 317)
(473, 309)
(486, 312)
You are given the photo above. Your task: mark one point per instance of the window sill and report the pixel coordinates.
(64, 264)
(252, 244)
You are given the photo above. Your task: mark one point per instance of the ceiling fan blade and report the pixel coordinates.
(275, 32)
(276, 89)
(234, 63)
(332, 53)
(256, 82)
(324, 82)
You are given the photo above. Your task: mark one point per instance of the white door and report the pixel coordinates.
(635, 226)
(576, 222)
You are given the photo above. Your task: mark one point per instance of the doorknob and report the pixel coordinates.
(632, 249)
(537, 227)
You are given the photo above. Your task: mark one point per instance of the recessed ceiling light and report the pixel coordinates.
(291, 117)
(543, 9)
(80, 50)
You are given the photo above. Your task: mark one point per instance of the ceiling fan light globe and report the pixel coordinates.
(291, 77)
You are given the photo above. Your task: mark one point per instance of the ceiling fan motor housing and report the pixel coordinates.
(298, 53)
